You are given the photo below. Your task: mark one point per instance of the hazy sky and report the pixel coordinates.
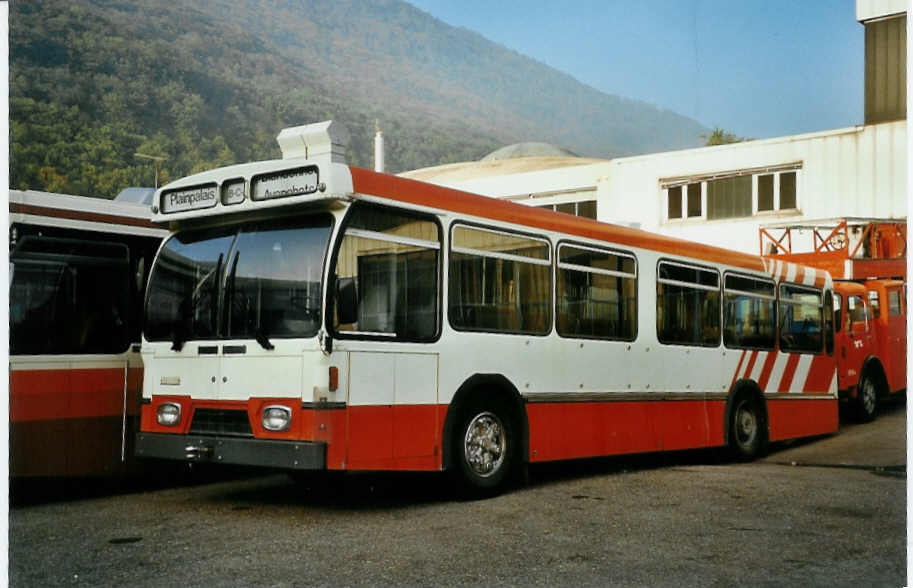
(758, 68)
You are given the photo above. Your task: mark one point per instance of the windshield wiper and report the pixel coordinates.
(263, 340)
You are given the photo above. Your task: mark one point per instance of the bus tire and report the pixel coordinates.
(747, 428)
(485, 446)
(866, 403)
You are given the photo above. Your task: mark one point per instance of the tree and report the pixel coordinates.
(722, 137)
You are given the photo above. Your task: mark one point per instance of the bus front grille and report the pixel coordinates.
(210, 421)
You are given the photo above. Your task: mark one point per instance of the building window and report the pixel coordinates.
(736, 194)
(729, 198)
(787, 190)
(765, 193)
(675, 202)
(694, 200)
(584, 209)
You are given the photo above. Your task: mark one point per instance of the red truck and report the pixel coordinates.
(867, 260)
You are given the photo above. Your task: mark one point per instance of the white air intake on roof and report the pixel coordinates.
(325, 140)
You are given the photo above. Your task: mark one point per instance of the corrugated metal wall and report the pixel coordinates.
(886, 70)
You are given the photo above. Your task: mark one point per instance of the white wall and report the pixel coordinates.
(853, 172)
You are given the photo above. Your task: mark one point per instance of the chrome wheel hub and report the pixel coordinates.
(485, 444)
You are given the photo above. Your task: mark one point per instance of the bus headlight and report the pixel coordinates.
(168, 414)
(277, 418)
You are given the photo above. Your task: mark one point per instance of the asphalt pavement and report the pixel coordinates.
(823, 512)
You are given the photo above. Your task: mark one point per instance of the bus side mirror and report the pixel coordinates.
(346, 301)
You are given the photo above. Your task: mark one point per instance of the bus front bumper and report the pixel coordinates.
(290, 455)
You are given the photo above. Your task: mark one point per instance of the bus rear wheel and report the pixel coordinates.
(485, 446)
(746, 428)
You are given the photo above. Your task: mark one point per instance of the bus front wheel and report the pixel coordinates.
(485, 444)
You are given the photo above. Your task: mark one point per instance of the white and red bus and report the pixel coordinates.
(309, 315)
(77, 271)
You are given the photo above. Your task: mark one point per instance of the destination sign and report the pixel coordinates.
(233, 192)
(184, 199)
(291, 182)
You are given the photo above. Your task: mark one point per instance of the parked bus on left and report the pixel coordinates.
(78, 269)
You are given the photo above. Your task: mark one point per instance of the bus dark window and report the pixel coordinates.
(69, 297)
(499, 282)
(749, 313)
(801, 319)
(392, 260)
(829, 322)
(597, 294)
(687, 305)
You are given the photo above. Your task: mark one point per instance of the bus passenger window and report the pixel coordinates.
(801, 319)
(687, 305)
(597, 293)
(749, 313)
(392, 259)
(69, 296)
(499, 282)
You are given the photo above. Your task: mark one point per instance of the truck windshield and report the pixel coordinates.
(260, 279)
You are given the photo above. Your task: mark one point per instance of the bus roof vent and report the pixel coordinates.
(325, 140)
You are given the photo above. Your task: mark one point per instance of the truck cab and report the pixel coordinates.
(870, 343)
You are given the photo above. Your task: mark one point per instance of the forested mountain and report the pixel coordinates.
(211, 83)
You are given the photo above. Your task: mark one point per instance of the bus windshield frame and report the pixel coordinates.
(258, 279)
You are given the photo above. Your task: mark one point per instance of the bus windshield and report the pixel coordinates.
(260, 279)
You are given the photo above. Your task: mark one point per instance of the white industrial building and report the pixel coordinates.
(722, 195)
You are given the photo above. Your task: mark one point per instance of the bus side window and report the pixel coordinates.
(687, 305)
(749, 312)
(597, 293)
(389, 263)
(69, 296)
(801, 319)
(499, 282)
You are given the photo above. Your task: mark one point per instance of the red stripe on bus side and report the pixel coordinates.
(738, 369)
(820, 374)
(793, 418)
(751, 362)
(789, 372)
(37, 395)
(409, 437)
(767, 369)
(94, 217)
